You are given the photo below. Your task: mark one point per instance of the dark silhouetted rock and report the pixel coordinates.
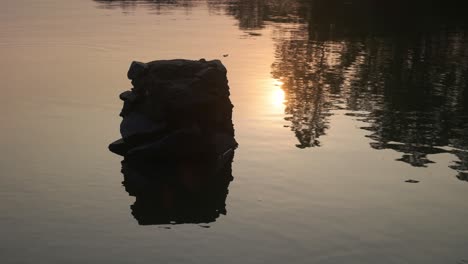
(119, 147)
(136, 69)
(177, 141)
(177, 108)
(135, 124)
(128, 96)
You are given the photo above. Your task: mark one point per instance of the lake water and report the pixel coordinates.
(333, 115)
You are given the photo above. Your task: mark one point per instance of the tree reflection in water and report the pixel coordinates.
(156, 6)
(403, 71)
(402, 67)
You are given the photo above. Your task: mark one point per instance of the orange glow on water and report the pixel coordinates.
(278, 95)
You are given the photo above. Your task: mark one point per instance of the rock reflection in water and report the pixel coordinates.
(178, 192)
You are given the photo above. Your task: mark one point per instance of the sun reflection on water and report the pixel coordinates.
(278, 96)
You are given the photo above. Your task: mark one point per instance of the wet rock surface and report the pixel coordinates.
(176, 109)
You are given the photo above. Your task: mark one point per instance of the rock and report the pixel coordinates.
(119, 147)
(182, 143)
(177, 108)
(135, 127)
(136, 69)
(177, 141)
(223, 142)
(126, 109)
(219, 65)
(128, 96)
(207, 73)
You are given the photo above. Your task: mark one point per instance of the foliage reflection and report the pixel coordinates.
(399, 66)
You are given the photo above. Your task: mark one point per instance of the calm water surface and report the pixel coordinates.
(333, 114)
